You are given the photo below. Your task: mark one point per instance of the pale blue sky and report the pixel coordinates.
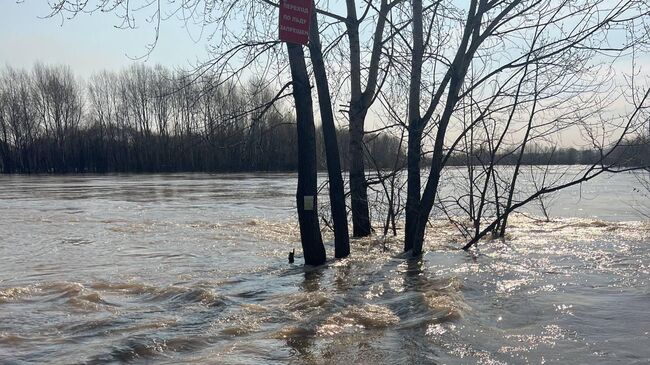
(89, 42)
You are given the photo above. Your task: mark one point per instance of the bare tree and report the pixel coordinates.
(336, 190)
(58, 105)
(17, 120)
(484, 45)
(306, 195)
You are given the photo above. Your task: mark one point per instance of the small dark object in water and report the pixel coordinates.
(291, 255)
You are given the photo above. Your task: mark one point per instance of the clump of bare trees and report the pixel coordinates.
(139, 119)
(488, 83)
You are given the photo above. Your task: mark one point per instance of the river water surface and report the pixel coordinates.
(185, 268)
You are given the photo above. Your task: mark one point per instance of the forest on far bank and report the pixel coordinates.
(153, 119)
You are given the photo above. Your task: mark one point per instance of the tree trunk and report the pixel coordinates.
(455, 74)
(336, 190)
(415, 131)
(357, 115)
(310, 236)
(358, 185)
(360, 102)
(413, 185)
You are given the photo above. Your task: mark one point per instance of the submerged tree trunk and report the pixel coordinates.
(360, 101)
(414, 236)
(357, 115)
(310, 235)
(336, 190)
(415, 131)
(413, 186)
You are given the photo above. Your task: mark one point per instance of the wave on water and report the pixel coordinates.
(174, 294)
(361, 317)
(145, 348)
(85, 296)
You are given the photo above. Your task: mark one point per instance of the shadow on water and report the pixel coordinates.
(301, 338)
(312, 280)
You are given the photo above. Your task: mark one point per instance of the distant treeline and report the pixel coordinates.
(147, 119)
(152, 119)
(628, 153)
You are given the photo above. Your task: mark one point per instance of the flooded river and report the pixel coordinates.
(192, 268)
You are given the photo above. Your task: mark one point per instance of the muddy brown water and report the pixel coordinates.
(192, 268)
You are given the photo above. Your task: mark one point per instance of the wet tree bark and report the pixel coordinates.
(310, 235)
(336, 190)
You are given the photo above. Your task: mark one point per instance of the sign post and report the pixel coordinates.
(295, 16)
